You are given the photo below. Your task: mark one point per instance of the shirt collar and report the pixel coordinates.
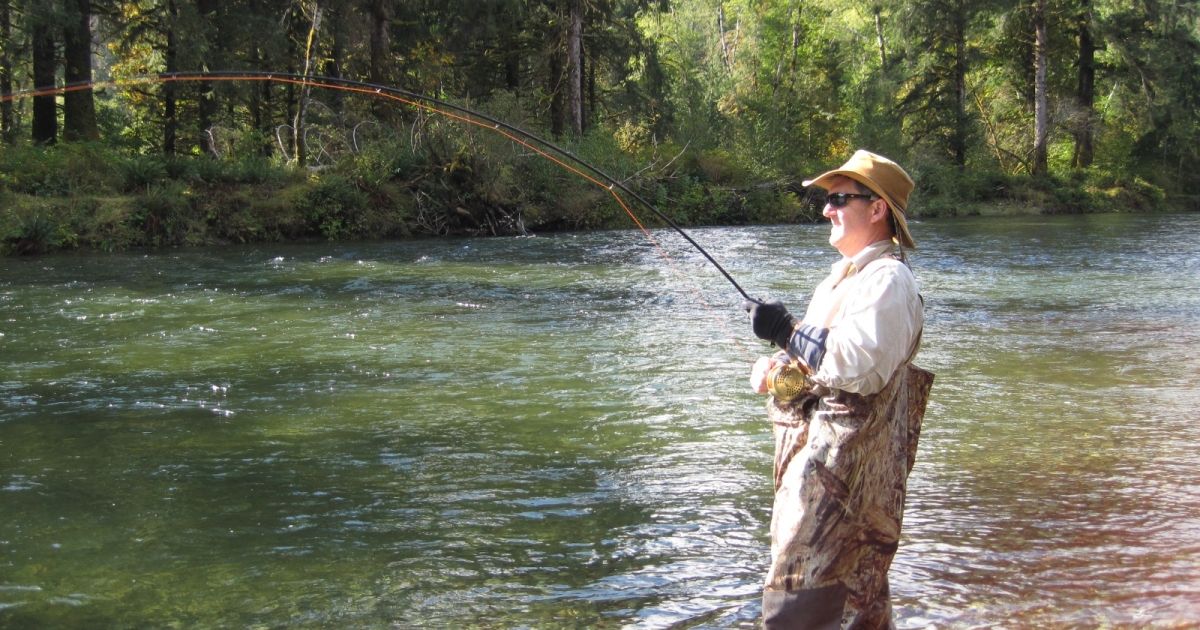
(878, 249)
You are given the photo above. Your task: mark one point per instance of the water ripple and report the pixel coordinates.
(556, 431)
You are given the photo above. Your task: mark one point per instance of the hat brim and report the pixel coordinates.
(903, 236)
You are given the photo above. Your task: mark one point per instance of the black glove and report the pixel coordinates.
(771, 321)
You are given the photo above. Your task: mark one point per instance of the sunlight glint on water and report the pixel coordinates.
(556, 432)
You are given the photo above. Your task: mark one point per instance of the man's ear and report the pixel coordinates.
(879, 210)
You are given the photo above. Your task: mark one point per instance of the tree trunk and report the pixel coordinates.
(512, 62)
(959, 142)
(208, 98)
(1084, 133)
(379, 41)
(778, 76)
(556, 96)
(6, 86)
(794, 18)
(554, 80)
(378, 51)
(302, 108)
(589, 104)
(170, 119)
(79, 106)
(575, 67)
(721, 37)
(337, 47)
(256, 102)
(1041, 115)
(45, 108)
(337, 52)
(879, 37)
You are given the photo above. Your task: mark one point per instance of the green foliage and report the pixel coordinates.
(39, 224)
(719, 166)
(382, 161)
(712, 109)
(64, 169)
(243, 169)
(140, 172)
(333, 206)
(161, 217)
(29, 234)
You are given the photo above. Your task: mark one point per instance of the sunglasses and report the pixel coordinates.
(839, 200)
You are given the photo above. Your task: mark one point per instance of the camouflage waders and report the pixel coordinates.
(841, 469)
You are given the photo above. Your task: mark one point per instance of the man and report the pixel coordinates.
(846, 404)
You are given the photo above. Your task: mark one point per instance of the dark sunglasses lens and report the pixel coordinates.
(839, 200)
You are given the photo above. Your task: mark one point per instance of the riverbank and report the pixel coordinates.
(84, 196)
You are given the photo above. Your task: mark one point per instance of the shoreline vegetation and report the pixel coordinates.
(156, 124)
(91, 197)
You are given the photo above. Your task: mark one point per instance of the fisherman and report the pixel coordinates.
(846, 405)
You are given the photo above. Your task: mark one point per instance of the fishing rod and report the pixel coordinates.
(429, 103)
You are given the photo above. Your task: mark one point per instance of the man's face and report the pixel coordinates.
(851, 226)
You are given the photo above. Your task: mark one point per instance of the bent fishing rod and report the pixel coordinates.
(414, 99)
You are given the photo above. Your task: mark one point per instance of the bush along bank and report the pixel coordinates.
(89, 196)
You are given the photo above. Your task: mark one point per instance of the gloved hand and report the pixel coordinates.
(771, 321)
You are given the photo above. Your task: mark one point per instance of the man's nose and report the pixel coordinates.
(828, 211)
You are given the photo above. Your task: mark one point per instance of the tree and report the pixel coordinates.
(205, 30)
(378, 51)
(1041, 125)
(311, 10)
(79, 108)
(883, 58)
(934, 98)
(1086, 93)
(575, 66)
(1153, 59)
(725, 90)
(6, 72)
(45, 57)
(171, 55)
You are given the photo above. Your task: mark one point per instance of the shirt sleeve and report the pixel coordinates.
(880, 322)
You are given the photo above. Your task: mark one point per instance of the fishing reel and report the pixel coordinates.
(788, 381)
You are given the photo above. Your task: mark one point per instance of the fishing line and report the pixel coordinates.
(556, 154)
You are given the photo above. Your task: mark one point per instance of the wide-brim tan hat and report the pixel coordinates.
(885, 178)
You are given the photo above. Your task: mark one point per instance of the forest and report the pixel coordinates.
(714, 110)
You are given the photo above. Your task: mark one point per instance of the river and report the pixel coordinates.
(557, 431)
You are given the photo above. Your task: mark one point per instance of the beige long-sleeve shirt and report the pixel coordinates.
(872, 308)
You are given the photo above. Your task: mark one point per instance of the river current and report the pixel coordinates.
(557, 431)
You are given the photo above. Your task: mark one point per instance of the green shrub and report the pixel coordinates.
(107, 225)
(332, 206)
(180, 167)
(162, 215)
(87, 168)
(203, 169)
(30, 234)
(33, 171)
(720, 167)
(140, 172)
(256, 214)
(253, 169)
(32, 225)
(381, 161)
(389, 212)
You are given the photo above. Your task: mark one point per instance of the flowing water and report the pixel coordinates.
(557, 432)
